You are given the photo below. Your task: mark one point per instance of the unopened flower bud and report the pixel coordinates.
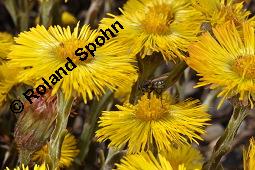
(35, 124)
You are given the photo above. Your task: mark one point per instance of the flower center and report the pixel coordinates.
(151, 109)
(68, 48)
(158, 19)
(245, 66)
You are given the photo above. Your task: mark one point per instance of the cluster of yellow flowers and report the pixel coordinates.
(215, 38)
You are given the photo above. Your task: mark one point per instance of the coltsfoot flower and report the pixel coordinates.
(36, 167)
(153, 121)
(165, 26)
(8, 78)
(44, 51)
(68, 152)
(227, 62)
(6, 41)
(187, 155)
(144, 161)
(147, 161)
(221, 11)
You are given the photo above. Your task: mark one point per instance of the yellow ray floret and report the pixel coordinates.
(68, 152)
(221, 11)
(123, 93)
(185, 155)
(147, 161)
(36, 167)
(8, 78)
(227, 62)
(249, 156)
(8, 75)
(144, 161)
(46, 52)
(153, 121)
(6, 41)
(164, 26)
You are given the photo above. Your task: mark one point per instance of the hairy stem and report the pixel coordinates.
(112, 157)
(223, 145)
(57, 137)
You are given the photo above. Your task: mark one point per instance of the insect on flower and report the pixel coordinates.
(156, 85)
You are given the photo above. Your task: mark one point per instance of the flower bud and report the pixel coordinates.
(35, 124)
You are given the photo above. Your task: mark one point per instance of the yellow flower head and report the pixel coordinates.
(147, 161)
(226, 62)
(46, 51)
(68, 152)
(165, 26)
(36, 167)
(8, 78)
(221, 11)
(153, 121)
(8, 75)
(190, 157)
(6, 41)
(249, 156)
